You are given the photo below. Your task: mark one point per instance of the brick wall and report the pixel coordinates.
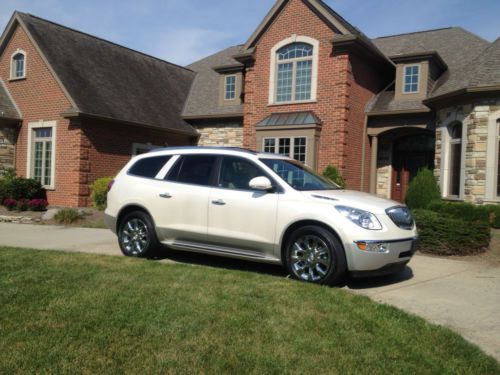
(39, 97)
(345, 84)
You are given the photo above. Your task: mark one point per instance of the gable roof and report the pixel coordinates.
(331, 18)
(203, 100)
(8, 108)
(109, 81)
(455, 46)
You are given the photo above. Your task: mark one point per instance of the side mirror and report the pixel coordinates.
(260, 183)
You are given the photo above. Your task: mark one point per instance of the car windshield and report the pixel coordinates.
(299, 176)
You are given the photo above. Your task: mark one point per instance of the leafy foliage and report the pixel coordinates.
(99, 193)
(66, 216)
(444, 234)
(423, 189)
(489, 213)
(333, 174)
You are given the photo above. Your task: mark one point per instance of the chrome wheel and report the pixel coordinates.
(310, 258)
(135, 236)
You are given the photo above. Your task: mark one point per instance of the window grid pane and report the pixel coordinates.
(299, 150)
(498, 168)
(48, 164)
(42, 156)
(18, 65)
(284, 146)
(270, 145)
(411, 79)
(303, 80)
(284, 84)
(38, 160)
(295, 51)
(230, 88)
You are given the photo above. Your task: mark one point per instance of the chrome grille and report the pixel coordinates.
(401, 216)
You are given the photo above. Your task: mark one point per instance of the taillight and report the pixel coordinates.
(110, 184)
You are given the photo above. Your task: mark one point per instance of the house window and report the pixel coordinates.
(292, 147)
(18, 65)
(230, 88)
(42, 155)
(294, 72)
(411, 78)
(455, 131)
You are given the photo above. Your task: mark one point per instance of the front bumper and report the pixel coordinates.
(398, 254)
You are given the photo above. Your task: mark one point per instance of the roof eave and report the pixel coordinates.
(463, 91)
(233, 68)
(75, 114)
(398, 112)
(213, 116)
(428, 55)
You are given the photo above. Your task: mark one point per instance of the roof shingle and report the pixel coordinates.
(8, 108)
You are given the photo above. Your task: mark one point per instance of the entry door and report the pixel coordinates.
(410, 154)
(237, 216)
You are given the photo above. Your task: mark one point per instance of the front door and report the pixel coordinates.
(410, 154)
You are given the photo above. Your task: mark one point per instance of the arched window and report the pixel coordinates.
(294, 72)
(18, 65)
(455, 132)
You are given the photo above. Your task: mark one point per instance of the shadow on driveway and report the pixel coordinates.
(274, 270)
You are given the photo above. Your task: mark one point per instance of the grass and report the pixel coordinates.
(67, 313)
(99, 224)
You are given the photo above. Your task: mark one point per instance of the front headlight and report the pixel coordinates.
(364, 219)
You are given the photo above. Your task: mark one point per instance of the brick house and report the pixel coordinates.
(306, 83)
(74, 107)
(310, 85)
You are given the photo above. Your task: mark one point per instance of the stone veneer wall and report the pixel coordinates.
(220, 133)
(475, 117)
(7, 135)
(384, 168)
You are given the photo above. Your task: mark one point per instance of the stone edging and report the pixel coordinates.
(19, 219)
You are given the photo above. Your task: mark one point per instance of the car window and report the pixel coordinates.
(236, 173)
(193, 169)
(149, 167)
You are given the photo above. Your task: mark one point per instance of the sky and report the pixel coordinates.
(183, 31)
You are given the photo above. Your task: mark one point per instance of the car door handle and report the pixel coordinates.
(219, 202)
(165, 195)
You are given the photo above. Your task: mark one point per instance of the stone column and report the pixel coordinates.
(373, 165)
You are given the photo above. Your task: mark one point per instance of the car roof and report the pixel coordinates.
(214, 150)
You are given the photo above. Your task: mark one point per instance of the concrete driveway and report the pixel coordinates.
(461, 294)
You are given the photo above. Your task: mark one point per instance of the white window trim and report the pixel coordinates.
(12, 76)
(31, 127)
(225, 86)
(418, 81)
(492, 158)
(314, 77)
(445, 156)
(144, 146)
(292, 146)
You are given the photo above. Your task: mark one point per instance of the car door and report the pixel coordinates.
(181, 212)
(238, 217)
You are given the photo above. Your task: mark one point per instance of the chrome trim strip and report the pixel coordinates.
(387, 241)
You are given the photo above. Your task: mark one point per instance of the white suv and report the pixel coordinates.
(260, 207)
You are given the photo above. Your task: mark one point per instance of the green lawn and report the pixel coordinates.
(76, 313)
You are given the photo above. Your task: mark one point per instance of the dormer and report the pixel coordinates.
(230, 84)
(416, 74)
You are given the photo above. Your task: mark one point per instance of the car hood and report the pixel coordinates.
(356, 199)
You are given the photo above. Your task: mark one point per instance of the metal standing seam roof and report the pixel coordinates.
(293, 118)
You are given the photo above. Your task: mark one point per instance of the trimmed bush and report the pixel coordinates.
(489, 213)
(99, 193)
(66, 216)
(423, 189)
(22, 188)
(443, 234)
(333, 174)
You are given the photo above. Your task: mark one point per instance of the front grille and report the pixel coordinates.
(401, 216)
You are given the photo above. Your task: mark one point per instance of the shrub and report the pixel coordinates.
(22, 188)
(66, 216)
(443, 234)
(10, 203)
(333, 174)
(100, 192)
(7, 173)
(461, 210)
(37, 205)
(423, 189)
(22, 205)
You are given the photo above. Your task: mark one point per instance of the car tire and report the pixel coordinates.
(137, 235)
(314, 254)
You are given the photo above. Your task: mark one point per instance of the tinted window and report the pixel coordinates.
(193, 169)
(149, 167)
(236, 173)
